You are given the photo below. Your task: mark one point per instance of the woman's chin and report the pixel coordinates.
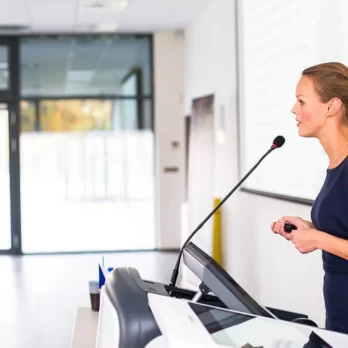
(304, 133)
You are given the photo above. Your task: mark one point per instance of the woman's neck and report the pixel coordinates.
(335, 145)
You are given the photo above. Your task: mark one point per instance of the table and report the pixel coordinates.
(85, 328)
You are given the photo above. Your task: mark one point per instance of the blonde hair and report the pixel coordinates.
(330, 81)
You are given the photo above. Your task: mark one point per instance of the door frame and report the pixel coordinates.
(14, 145)
(11, 97)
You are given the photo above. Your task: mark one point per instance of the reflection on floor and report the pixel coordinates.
(39, 295)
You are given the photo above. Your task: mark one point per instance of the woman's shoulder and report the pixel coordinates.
(341, 168)
(345, 168)
(337, 179)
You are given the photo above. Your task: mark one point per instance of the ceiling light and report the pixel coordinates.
(119, 5)
(93, 4)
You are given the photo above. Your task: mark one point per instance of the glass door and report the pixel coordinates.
(87, 179)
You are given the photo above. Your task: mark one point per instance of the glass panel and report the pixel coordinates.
(132, 114)
(28, 116)
(88, 66)
(87, 182)
(5, 230)
(75, 115)
(4, 75)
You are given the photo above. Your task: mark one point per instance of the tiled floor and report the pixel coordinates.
(39, 295)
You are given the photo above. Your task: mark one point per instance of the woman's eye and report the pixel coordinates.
(301, 102)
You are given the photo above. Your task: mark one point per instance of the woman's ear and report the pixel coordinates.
(335, 105)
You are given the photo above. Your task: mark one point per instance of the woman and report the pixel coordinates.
(321, 111)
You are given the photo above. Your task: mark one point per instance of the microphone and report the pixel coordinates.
(277, 143)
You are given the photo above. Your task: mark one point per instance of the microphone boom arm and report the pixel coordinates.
(176, 268)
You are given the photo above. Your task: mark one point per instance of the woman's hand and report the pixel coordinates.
(305, 240)
(278, 226)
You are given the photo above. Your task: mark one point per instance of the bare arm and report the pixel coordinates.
(333, 245)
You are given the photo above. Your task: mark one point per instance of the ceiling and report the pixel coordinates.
(48, 16)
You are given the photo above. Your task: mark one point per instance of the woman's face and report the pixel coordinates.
(311, 113)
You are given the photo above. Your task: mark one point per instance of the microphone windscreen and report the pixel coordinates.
(278, 141)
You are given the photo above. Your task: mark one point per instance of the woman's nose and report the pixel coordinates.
(294, 109)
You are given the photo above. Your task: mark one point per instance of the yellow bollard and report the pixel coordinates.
(217, 247)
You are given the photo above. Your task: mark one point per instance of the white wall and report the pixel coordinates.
(267, 266)
(210, 68)
(169, 126)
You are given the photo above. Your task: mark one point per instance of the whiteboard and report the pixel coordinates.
(276, 41)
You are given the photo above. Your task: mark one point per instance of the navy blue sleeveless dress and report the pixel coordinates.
(330, 214)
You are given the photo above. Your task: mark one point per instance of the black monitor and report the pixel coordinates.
(220, 282)
(234, 329)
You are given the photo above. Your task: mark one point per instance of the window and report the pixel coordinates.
(84, 66)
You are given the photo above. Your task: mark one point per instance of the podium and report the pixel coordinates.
(126, 321)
